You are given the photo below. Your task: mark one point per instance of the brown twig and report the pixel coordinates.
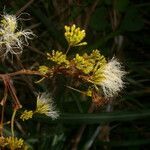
(3, 101)
(23, 72)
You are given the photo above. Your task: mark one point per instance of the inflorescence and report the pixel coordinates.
(104, 78)
(12, 38)
(107, 76)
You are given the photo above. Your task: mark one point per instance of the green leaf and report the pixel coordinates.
(96, 118)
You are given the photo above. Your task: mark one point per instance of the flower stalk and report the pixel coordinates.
(12, 122)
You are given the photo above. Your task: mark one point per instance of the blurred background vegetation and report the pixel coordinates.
(116, 27)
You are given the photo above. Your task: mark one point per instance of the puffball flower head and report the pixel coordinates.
(112, 82)
(11, 38)
(46, 106)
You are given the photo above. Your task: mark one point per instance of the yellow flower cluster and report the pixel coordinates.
(98, 75)
(96, 56)
(100, 62)
(58, 57)
(83, 64)
(43, 70)
(107, 75)
(74, 35)
(12, 143)
(26, 115)
(90, 63)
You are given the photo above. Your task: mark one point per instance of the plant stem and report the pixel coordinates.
(68, 49)
(12, 122)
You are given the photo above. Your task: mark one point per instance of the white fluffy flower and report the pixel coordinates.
(113, 75)
(45, 106)
(12, 39)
